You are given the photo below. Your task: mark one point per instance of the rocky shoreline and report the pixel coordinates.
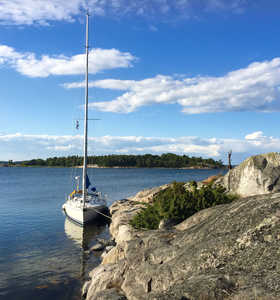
(101, 167)
(229, 251)
(119, 167)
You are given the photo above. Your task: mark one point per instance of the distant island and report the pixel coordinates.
(167, 160)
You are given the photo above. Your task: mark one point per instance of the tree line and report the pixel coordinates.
(167, 160)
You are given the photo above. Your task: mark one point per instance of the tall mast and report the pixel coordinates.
(86, 117)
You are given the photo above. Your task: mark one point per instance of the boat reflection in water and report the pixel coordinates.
(84, 236)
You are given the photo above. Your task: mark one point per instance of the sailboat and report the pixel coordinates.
(85, 205)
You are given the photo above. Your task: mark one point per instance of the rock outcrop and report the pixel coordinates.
(123, 210)
(229, 251)
(258, 174)
(226, 252)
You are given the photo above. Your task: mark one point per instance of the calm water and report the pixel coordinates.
(41, 253)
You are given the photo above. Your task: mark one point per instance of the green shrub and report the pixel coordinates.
(178, 203)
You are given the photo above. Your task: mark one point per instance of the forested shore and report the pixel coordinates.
(167, 160)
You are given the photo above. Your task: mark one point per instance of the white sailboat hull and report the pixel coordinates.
(83, 215)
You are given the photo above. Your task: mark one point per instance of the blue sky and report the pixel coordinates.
(187, 76)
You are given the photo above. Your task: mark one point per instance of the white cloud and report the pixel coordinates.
(62, 148)
(23, 146)
(99, 60)
(27, 12)
(255, 136)
(236, 6)
(255, 88)
(40, 11)
(112, 84)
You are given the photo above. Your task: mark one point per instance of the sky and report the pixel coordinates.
(194, 77)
